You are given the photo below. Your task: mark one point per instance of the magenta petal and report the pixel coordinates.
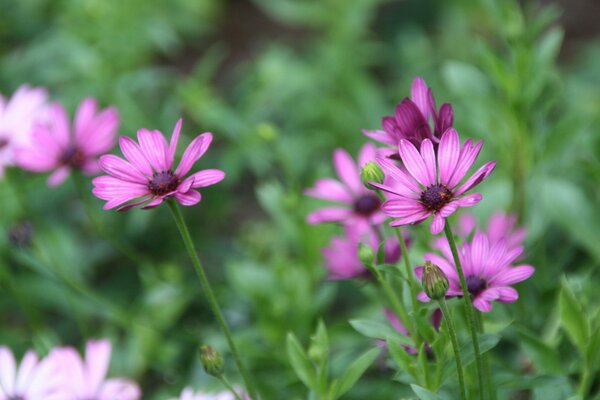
(173, 143)
(83, 116)
(428, 155)
(381, 136)
(411, 122)
(402, 207)
(482, 304)
(414, 163)
(423, 297)
(467, 157)
(121, 169)
(193, 153)
(8, 371)
(469, 200)
(448, 153)
(512, 275)
(507, 294)
(367, 153)
(100, 135)
(188, 199)
(59, 125)
(466, 224)
(411, 219)
(207, 177)
(119, 389)
(134, 155)
(117, 191)
(421, 95)
(59, 176)
(395, 322)
(328, 214)
(347, 170)
(407, 186)
(97, 358)
(437, 224)
(479, 253)
(449, 209)
(330, 189)
(476, 178)
(154, 147)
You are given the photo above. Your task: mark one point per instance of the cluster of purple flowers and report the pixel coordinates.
(425, 170)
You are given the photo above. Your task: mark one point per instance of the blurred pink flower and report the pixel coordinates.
(427, 183)
(341, 257)
(487, 266)
(32, 380)
(436, 320)
(501, 226)
(189, 394)
(86, 379)
(358, 207)
(411, 119)
(147, 172)
(55, 146)
(17, 117)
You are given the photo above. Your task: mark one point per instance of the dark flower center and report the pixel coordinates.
(3, 143)
(163, 183)
(72, 157)
(16, 397)
(475, 285)
(366, 204)
(435, 197)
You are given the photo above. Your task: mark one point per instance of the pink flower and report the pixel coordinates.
(488, 270)
(32, 380)
(147, 174)
(436, 320)
(189, 394)
(411, 119)
(428, 182)
(341, 257)
(86, 379)
(501, 226)
(55, 146)
(17, 117)
(358, 207)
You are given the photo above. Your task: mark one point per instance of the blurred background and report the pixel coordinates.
(281, 84)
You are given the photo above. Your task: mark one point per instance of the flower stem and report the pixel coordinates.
(212, 301)
(486, 362)
(409, 273)
(453, 339)
(226, 383)
(468, 308)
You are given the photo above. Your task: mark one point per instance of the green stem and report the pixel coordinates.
(212, 301)
(486, 361)
(228, 385)
(397, 306)
(468, 308)
(410, 277)
(454, 341)
(586, 380)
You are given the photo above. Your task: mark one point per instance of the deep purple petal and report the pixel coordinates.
(421, 95)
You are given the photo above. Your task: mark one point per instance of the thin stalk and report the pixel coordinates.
(228, 385)
(584, 383)
(397, 306)
(455, 348)
(486, 362)
(212, 301)
(468, 308)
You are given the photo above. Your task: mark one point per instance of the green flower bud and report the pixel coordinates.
(365, 254)
(211, 361)
(371, 172)
(434, 281)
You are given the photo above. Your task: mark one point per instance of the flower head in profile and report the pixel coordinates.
(147, 175)
(17, 118)
(357, 207)
(58, 147)
(411, 119)
(86, 378)
(488, 268)
(33, 379)
(189, 394)
(501, 226)
(428, 182)
(341, 256)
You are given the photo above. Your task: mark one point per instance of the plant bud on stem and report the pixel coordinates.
(434, 281)
(211, 361)
(371, 172)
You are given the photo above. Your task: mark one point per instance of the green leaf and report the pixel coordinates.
(378, 330)
(544, 357)
(354, 372)
(425, 394)
(405, 361)
(573, 318)
(300, 362)
(487, 341)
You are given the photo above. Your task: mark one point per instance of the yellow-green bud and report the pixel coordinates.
(434, 281)
(212, 361)
(365, 254)
(371, 172)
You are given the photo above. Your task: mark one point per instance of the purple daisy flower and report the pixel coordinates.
(427, 184)
(411, 119)
(501, 226)
(488, 268)
(31, 380)
(147, 174)
(341, 257)
(54, 146)
(359, 207)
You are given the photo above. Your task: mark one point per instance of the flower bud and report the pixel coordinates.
(365, 254)
(211, 361)
(371, 172)
(434, 281)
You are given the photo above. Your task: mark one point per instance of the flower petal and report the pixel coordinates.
(193, 153)
(132, 152)
(121, 169)
(405, 185)
(468, 154)
(188, 199)
(8, 370)
(206, 177)
(437, 224)
(512, 275)
(59, 176)
(330, 189)
(154, 147)
(448, 153)
(381, 136)
(421, 95)
(97, 358)
(328, 214)
(173, 143)
(476, 178)
(347, 170)
(414, 163)
(428, 155)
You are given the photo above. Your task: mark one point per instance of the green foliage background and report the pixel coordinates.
(281, 84)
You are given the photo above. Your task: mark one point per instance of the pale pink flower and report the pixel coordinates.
(85, 379)
(147, 174)
(341, 257)
(501, 226)
(411, 119)
(488, 268)
(33, 379)
(428, 182)
(17, 117)
(357, 207)
(58, 147)
(189, 394)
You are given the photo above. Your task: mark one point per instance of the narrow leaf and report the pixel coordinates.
(573, 318)
(300, 362)
(355, 371)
